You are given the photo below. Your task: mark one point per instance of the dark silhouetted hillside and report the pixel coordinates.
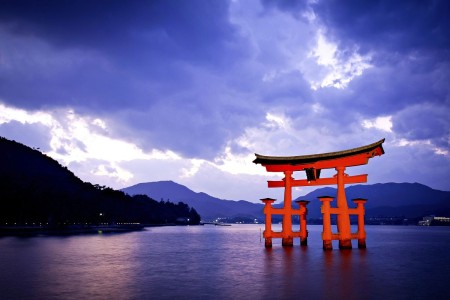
(34, 188)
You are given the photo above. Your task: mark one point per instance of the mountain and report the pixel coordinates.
(411, 200)
(388, 200)
(209, 207)
(36, 189)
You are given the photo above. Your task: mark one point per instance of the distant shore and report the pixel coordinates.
(33, 230)
(67, 230)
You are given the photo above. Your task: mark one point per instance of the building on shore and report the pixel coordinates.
(434, 221)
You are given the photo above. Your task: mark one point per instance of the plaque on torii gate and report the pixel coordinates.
(312, 165)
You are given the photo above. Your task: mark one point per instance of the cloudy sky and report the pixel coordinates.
(123, 92)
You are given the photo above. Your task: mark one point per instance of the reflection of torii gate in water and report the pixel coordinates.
(312, 165)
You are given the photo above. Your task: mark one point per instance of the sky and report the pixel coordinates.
(124, 92)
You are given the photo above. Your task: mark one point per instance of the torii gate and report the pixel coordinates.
(312, 165)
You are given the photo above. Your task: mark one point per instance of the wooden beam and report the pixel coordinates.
(349, 161)
(282, 168)
(320, 181)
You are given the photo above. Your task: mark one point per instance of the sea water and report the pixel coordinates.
(226, 262)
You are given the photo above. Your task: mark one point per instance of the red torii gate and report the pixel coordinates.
(312, 165)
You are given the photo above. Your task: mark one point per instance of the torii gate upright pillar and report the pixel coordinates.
(360, 212)
(303, 230)
(327, 235)
(343, 217)
(268, 233)
(287, 236)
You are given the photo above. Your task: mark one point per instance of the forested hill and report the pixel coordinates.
(35, 188)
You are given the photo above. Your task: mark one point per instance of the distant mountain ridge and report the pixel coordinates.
(388, 199)
(207, 206)
(411, 200)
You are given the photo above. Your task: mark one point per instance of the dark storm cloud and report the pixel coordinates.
(390, 30)
(409, 45)
(125, 44)
(197, 122)
(187, 30)
(387, 90)
(397, 26)
(418, 100)
(424, 122)
(293, 6)
(153, 64)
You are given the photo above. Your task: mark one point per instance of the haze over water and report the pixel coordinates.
(214, 262)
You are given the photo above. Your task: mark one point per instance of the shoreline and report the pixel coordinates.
(67, 230)
(29, 230)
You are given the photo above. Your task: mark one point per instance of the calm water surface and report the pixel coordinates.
(214, 262)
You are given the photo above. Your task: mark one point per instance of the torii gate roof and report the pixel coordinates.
(368, 150)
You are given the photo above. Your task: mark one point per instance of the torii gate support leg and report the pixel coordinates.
(326, 234)
(268, 226)
(361, 231)
(343, 217)
(303, 229)
(287, 236)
